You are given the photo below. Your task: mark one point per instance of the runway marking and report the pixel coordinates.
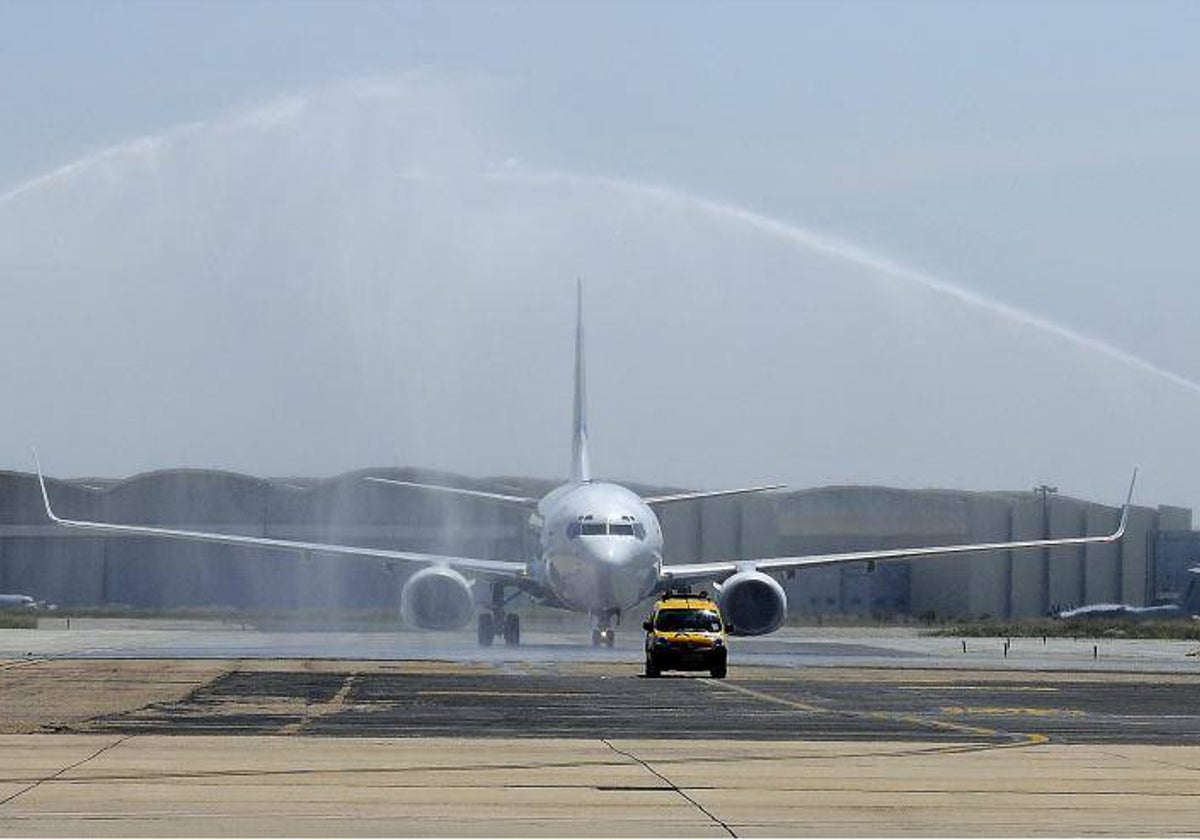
(1009, 710)
(1017, 739)
(1030, 689)
(480, 693)
(13, 664)
(316, 710)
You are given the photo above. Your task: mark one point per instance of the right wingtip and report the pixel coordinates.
(1132, 484)
(1125, 508)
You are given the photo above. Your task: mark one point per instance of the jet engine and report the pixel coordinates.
(437, 598)
(753, 603)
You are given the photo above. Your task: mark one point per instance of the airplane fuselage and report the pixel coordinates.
(600, 547)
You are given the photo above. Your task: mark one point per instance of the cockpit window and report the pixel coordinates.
(683, 621)
(590, 528)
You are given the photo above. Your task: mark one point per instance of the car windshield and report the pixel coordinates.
(682, 621)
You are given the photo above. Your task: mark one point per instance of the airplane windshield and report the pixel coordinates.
(683, 621)
(598, 529)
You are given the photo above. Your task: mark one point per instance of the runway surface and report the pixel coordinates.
(517, 701)
(871, 733)
(790, 647)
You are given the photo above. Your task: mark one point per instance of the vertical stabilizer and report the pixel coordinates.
(581, 469)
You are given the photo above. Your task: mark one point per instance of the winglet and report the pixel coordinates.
(1125, 508)
(42, 482)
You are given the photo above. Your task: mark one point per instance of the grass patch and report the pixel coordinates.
(1074, 628)
(274, 619)
(18, 620)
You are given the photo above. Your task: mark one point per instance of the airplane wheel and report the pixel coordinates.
(597, 637)
(512, 630)
(652, 670)
(610, 636)
(487, 629)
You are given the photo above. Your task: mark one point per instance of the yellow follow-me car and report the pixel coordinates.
(685, 633)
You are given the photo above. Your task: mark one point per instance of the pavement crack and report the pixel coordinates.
(671, 786)
(66, 769)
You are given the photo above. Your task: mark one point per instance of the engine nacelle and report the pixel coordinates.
(437, 598)
(754, 603)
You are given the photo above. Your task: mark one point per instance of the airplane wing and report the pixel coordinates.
(708, 494)
(495, 568)
(718, 570)
(515, 501)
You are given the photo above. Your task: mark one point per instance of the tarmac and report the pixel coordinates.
(845, 734)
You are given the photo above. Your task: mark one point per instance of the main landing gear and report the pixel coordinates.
(496, 622)
(603, 631)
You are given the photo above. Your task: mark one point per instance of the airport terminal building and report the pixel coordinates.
(79, 569)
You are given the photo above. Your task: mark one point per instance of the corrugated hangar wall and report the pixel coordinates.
(60, 566)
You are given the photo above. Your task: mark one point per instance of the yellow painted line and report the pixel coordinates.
(314, 711)
(1022, 739)
(1026, 689)
(455, 693)
(1009, 710)
(11, 664)
(770, 698)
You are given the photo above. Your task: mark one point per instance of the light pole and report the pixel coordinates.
(1044, 490)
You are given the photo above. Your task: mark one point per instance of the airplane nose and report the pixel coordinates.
(614, 552)
(625, 570)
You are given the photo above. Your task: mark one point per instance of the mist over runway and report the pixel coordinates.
(792, 647)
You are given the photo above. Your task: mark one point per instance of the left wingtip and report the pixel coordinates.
(37, 465)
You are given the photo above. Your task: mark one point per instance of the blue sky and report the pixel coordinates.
(1046, 155)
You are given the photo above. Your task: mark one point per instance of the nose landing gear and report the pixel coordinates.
(603, 631)
(497, 622)
(604, 637)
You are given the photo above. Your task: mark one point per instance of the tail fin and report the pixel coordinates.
(580, 464)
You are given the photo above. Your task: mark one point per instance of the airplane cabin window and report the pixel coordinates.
(621, 528)
(593, 529)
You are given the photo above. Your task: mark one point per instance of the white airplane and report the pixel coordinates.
(13, 601)
(600, 552)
